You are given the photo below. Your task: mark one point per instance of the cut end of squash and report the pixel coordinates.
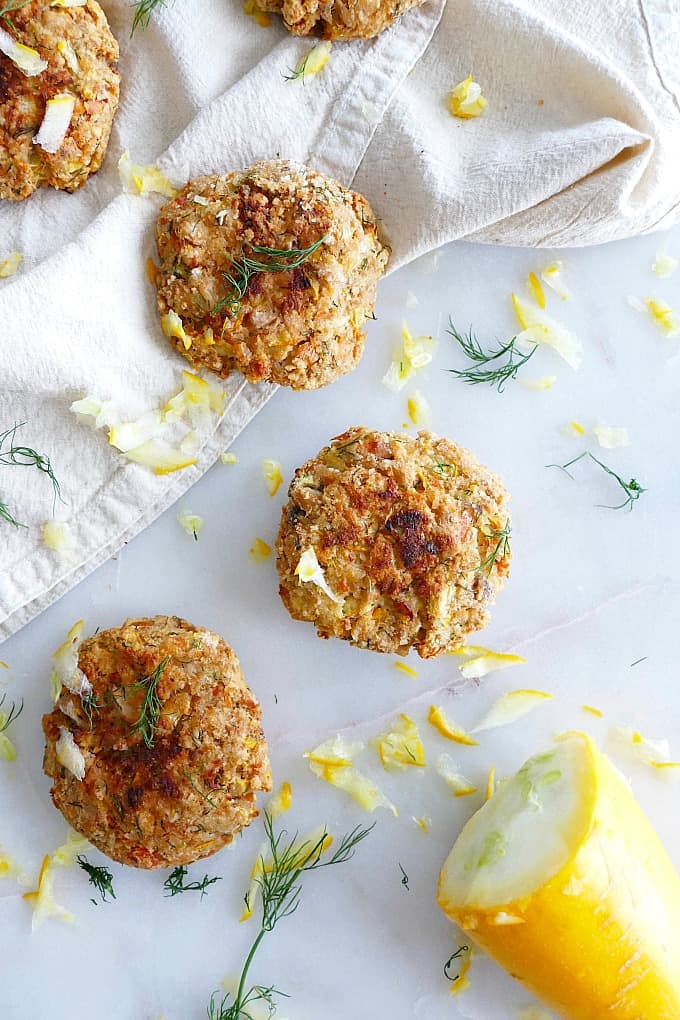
(562, 847)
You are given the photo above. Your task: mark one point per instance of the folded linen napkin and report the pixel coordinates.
(579, 144)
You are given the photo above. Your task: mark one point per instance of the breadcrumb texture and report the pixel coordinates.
(300, 328)
(338, 19)
(24, 166)
(194, 790)
(401, 526)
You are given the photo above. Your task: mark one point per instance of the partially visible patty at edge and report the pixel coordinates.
(338, 19)
(81, 55)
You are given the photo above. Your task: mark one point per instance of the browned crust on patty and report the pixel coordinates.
(194, 790)
(25, 166)
(401, 527)
(300, 328)
(338, 19)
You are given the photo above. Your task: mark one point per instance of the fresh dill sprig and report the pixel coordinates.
(89, 704)
(258, 993)
(190, 779)
(299, 72)
(632, 489)
(280, 883)
(371, 221)
(175, 883)
(277, 260)
(7, 8)
(404, 879)
(143, 11)
(7, 718)
(12, 5)
(100, 878)
(459, 953)
(487, 370)
(502, 547)
(7, 515)
(150, 712)
(347, 446)
(7, 748)
(13, 455)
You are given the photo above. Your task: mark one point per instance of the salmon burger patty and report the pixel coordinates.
(77, 53)
(270, 271)
(408, 534)
(338, 19)
(155, 746)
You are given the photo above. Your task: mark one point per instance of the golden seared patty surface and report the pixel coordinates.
(403, 529)
(298, 319)
(193, 790)
(81, 54)
(338, 19)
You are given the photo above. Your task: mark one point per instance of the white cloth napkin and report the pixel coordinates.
(580, 144)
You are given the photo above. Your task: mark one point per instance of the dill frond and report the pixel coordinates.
(7, 718)
(280, 882)
(7, 515)
(101, 878)
(14, 455)
(632, 489)
(501, 549)
(487, 367)
(151, 708)
(298, 73)
(276, 260)
(143, 12)
(175, 884)
(6, 10)
(458, 955)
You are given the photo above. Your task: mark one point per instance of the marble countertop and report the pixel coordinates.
(592, 603)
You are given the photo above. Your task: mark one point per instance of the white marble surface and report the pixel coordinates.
(591, 592)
